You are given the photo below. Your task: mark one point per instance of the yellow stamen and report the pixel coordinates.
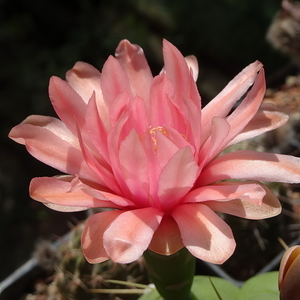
(152, 132)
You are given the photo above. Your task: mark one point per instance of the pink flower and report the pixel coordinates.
(143, 147)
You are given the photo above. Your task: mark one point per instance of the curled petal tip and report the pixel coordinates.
(125, 48)
(192, 63)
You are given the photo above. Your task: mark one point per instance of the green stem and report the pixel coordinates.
(172, 275)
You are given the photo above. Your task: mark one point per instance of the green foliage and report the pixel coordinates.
(264, 286)
(205, 287)
(260, 287)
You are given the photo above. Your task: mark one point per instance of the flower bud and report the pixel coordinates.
(289, 274)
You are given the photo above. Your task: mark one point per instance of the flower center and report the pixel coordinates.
(153, 131)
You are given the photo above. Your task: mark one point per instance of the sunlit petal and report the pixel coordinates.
(213, 241)
(130, 234)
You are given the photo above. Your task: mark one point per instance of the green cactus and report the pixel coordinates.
(76, 279)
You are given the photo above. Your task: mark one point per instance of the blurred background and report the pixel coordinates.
(39, 39)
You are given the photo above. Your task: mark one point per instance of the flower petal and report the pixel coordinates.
(269, 207)
(192, 63)
(134, 167)
(289, 286)
(213, 146)
(245, 112)
(130, 234)
(54, 125)
(162, 110)
(166, 239)
(238, 119)
(138, 115)
(48, 140)
(204, 233)
(251, 192)
(226, 99)
(246, 164)
(287, 261)
(85, 80)
(114, 81)
(162, 145)
(92, 236)
(267, 118)
(249, 106)
(134, 63)
(68, 105)
(117, 201)
(60, 191)
(193, 116)
(177, 178)
(96, 129)
(176, 68)
(114, 138)
(102, 173)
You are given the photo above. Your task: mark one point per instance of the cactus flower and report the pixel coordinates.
(144, 148)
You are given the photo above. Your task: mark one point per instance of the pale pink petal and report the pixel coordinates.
(204, 233)
(85, 80)
(166, 239)
(130, 234)
(95, 128)
(193, 127)
(54, 125)
(146, 139)
(267, 118)
(133, 61)
(224, 191)
(114, 138)
(246, 164)
(58, 191)
(177, 70)
(114, 81)
(176, 67)
(48, 140)
(102, 173)
(178, 139)
(220, 130)
(269, 207)
(159, 150)
(134, 167)
(119, 106)
(164, 147)
(177, 178)
(64, 208)
(162, 109)
(138, 116)
(237, 120)
(192, 63)
(226, 99)
(101, 194)
(244, 113)
(92, 236)
(68, 105)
